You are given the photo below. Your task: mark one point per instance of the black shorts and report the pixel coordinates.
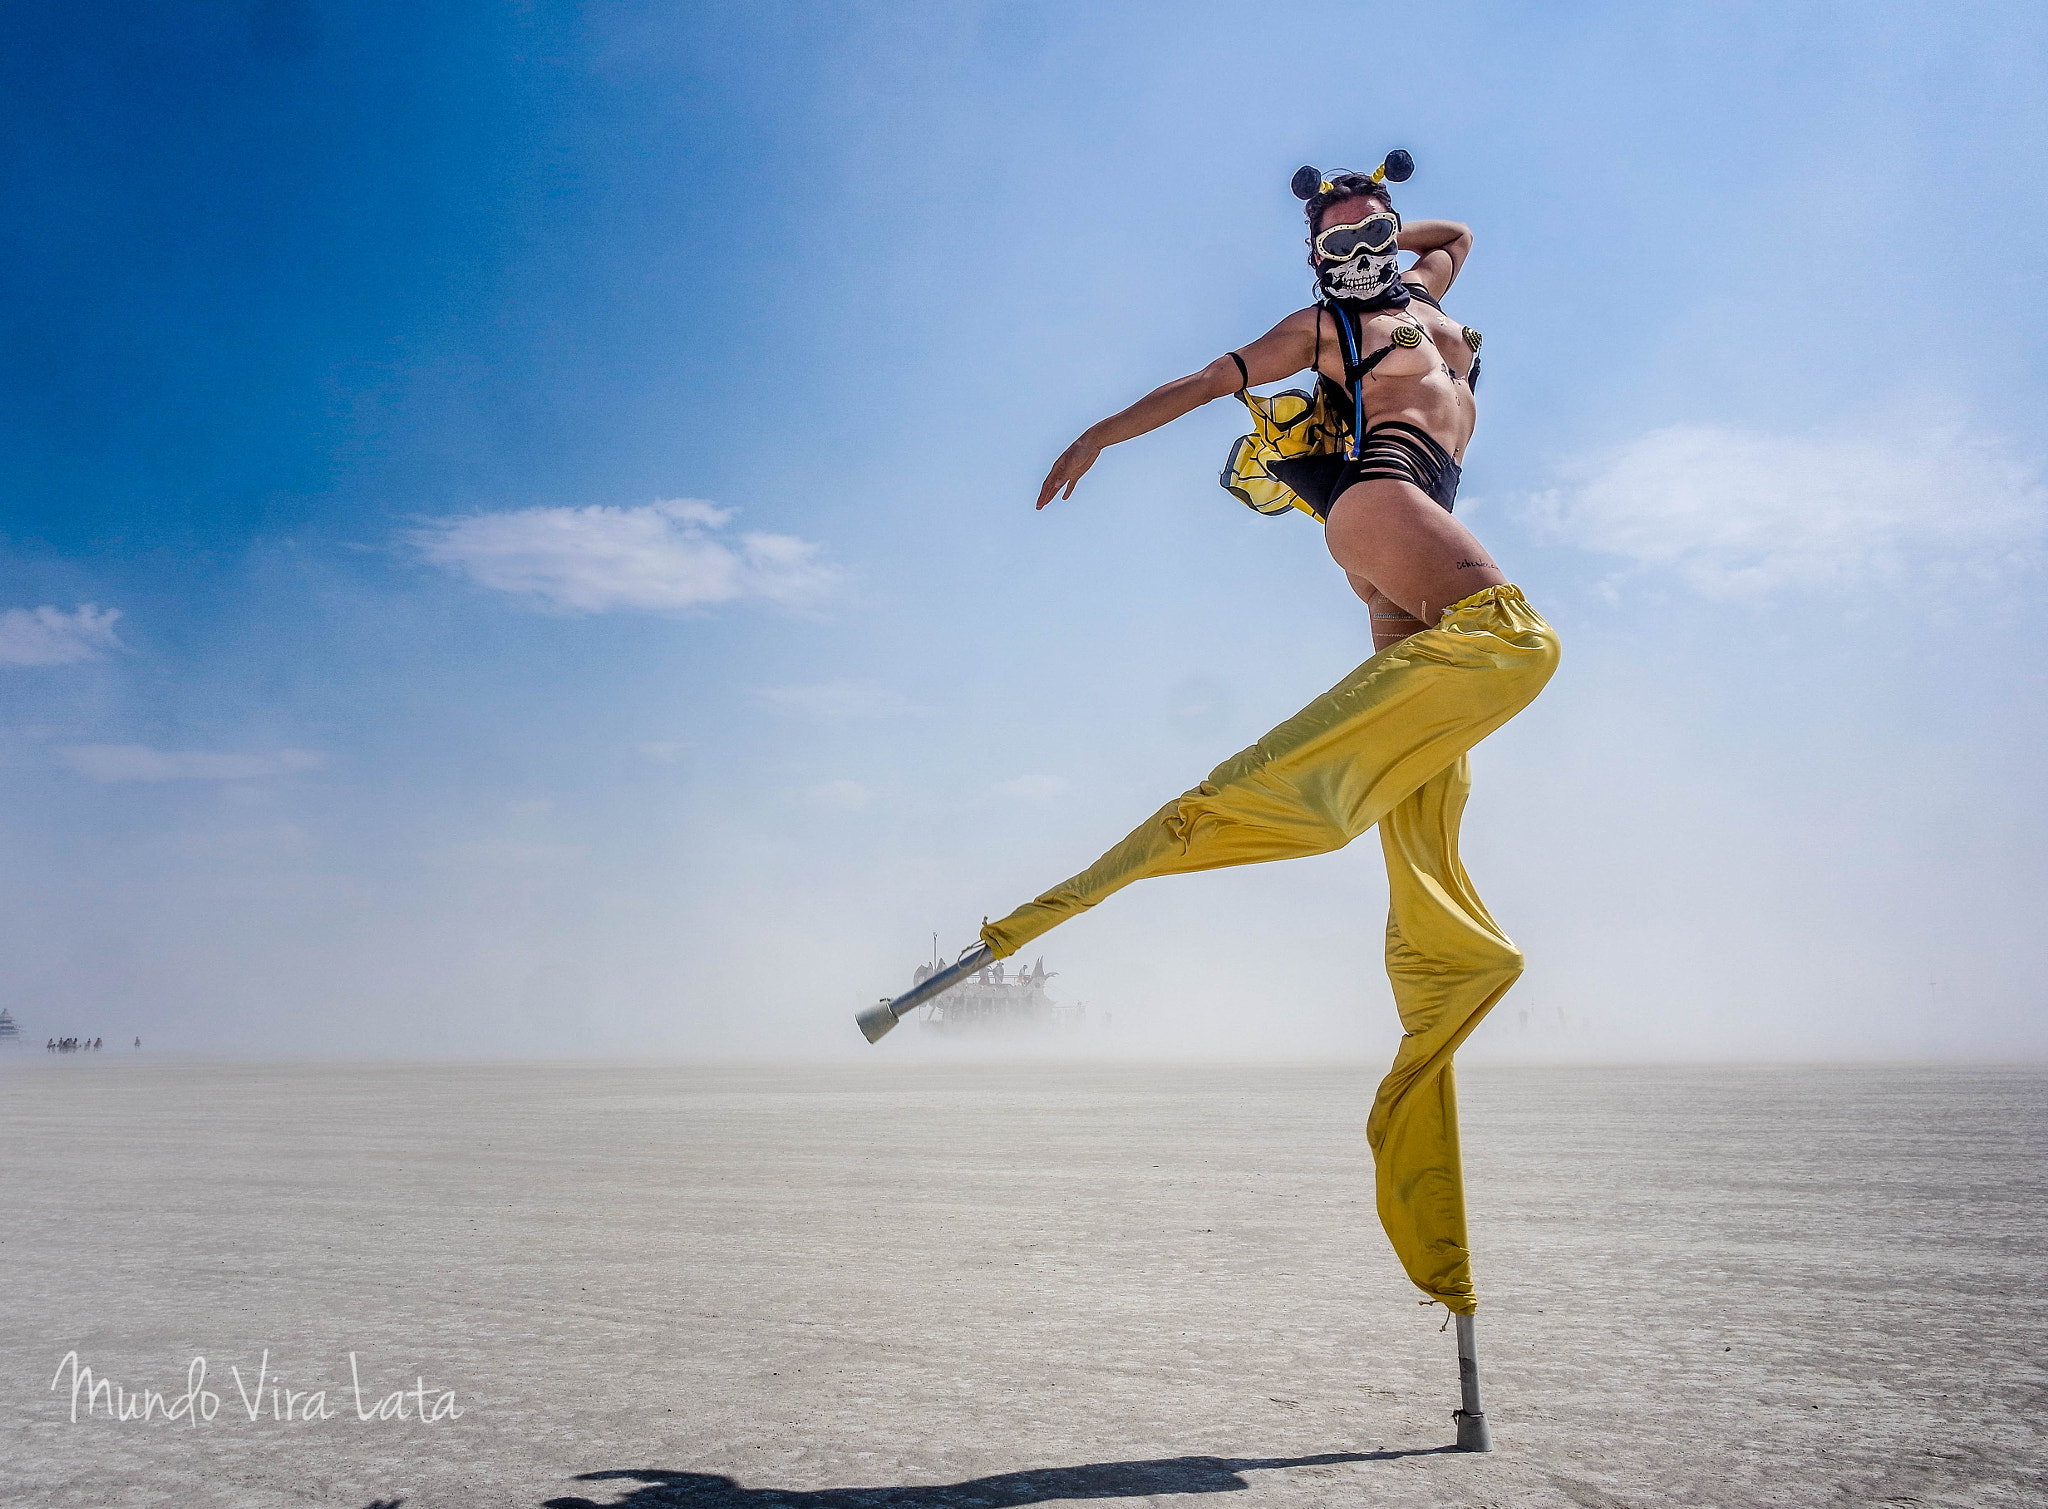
(1396, 449)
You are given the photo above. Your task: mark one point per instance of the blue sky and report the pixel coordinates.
(517, 529)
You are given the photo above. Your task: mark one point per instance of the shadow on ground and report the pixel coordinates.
(661, 1488)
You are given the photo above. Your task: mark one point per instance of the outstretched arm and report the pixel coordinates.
(1443, 246)
(1280, 352)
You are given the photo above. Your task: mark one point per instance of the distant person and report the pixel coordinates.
(50, 1046)
(138, 1042)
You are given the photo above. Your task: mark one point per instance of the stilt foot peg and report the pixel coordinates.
(1472, 1432)
(1470, 1416)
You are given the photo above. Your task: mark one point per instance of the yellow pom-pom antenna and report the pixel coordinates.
(1395, 168)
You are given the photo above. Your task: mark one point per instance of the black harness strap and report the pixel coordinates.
(1370, 362)
(1355, 370)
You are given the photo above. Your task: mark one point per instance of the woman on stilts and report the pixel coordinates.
(1459, 652)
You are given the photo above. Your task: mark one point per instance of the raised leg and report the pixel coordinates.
(1334, 769)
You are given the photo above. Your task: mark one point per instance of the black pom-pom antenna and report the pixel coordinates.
(1398, 167)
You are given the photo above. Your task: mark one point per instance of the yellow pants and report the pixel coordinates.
(1386, 745)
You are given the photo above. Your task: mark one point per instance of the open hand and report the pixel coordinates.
(1070, 468)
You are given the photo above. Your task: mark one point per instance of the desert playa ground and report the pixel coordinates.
(925, 1286)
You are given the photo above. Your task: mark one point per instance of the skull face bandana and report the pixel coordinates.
(1372, 280)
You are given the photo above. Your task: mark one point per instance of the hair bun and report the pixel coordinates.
(1306, 182)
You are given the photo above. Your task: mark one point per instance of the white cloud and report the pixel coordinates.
(138, 762)
(49, 636)
(835, 701)
(1032, 788)
(840, 796)
(1738, 514)
(659, 558)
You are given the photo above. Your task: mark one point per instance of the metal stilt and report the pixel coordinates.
(1470, 1416)
(879, 1018)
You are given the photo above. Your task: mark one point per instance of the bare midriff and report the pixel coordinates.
(1405, 555)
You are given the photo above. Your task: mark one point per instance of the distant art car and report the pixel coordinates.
(996, 999)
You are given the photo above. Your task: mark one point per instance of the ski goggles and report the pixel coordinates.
(1374, 236)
